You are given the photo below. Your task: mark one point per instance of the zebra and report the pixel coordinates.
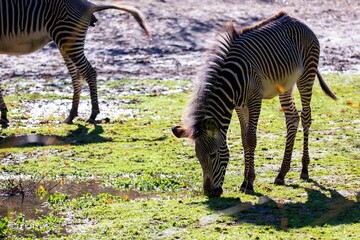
(28, 25)
(246, 66)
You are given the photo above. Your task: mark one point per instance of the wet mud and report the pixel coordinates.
(182, 32)
(24, 199)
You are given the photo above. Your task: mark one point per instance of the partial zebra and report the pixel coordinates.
(255, 63)
(28, 25)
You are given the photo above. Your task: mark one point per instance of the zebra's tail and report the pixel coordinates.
(139, 17)
(325, 87)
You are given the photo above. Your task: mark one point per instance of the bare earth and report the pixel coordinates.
(182, 33)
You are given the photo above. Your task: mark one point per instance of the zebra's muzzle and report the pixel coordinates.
(211, 191)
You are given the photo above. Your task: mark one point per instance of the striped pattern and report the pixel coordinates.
(258, 62)
(27, 25)
(21, 17)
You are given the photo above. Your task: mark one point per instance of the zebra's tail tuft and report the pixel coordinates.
(325, 87)
(139, 17)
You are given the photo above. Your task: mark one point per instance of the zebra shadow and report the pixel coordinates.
(80, 136)
(323, 206)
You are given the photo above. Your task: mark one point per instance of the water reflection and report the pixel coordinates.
(34, 206)
(30, 140)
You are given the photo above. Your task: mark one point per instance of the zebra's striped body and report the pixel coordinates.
(259, 62)
(28, 25)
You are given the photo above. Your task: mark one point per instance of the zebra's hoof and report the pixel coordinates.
(216, 192)
(247, 191)
(304, 176)
(279, 181)
(247, 188)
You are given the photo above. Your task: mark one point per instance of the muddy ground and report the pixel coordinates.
(182, 32)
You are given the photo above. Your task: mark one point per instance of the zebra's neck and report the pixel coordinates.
(214, 100)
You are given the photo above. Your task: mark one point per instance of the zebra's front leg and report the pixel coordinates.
(89, 73)
(77, 85)
(249, 172)
(248, 117)
(292, 122)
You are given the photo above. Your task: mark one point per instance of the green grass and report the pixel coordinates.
(139, 153)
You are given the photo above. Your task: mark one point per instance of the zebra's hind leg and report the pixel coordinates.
(90, 76)
(292, 122)
(85, 70)
(77, 80)
(305, 89)
(3, 120)
(306, 122)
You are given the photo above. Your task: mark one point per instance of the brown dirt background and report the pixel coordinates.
(182, 32)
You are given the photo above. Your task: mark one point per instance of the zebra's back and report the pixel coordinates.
(275, 50)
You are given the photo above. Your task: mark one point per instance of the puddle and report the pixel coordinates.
(29, 140)
(33, 207)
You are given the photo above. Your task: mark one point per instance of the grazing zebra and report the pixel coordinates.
(258, 62)
(28, 25)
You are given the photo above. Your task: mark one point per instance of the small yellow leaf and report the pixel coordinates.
(109, 200)
(351, 104)
(41, 192)
(126, 198)
(67, 146)
(26, 116)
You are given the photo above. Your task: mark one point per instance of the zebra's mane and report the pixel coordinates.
(263, 22)
(209, 77)
(202, 88)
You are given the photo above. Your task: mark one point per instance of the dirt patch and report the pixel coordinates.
(183, 30)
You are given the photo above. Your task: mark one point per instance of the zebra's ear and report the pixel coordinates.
(180, 132)
(211, 127)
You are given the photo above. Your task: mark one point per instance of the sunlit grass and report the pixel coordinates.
(138, 152)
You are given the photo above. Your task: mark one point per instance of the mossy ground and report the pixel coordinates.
(138, 152)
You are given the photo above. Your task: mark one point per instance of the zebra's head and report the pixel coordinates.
(212, 152)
